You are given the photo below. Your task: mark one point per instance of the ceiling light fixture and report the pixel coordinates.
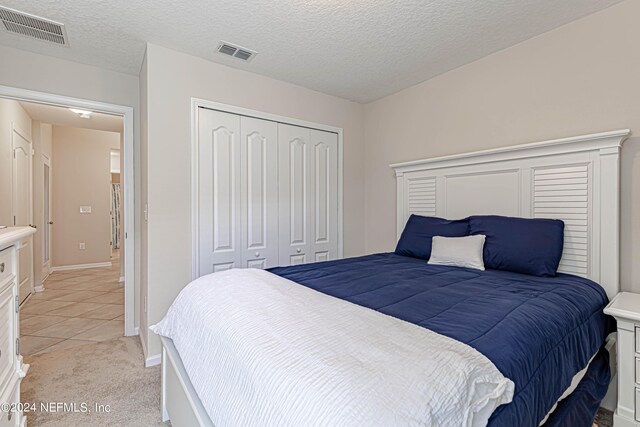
(85, 114)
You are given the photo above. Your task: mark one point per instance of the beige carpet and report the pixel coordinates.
(105, 373)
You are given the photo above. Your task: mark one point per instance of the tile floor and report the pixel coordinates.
(77, 307)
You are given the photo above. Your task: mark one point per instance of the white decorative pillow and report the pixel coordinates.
(458, 251)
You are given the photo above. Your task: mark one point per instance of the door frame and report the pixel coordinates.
(46, 161)
(128, 176)
(226, 108)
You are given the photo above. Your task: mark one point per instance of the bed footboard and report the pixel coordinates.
(180, 403)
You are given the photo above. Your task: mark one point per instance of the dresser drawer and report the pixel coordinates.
(6, 264)
(7, 336)
(11, 419)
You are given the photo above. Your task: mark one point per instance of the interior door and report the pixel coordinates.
(259, 189)
(22, 207)
(219, 237)
(323, 205)
(47, 221)
(294, 190)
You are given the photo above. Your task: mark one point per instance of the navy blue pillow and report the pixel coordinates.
(415, 240)
(521, 245)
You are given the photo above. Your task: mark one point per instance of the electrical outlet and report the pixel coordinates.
(82, 246)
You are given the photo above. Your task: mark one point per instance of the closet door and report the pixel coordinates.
(295, 186)
(219, 148)
(259, 189)
(323, 203)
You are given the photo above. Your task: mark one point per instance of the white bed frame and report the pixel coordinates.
(574, 179)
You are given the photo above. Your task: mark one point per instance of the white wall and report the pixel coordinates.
(42, 73)
(580, 78)
(172, 79)
(81, 177)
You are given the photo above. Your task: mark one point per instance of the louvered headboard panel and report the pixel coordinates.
(563, 193)
(573, 179)
(421, 196)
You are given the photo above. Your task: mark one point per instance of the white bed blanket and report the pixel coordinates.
(261, 350)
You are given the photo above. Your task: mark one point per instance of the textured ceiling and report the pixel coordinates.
(63, 117)
(356, 49)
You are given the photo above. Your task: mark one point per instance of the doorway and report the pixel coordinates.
(25, 217)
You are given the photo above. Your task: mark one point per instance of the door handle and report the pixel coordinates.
(50, 222)
(298, 250)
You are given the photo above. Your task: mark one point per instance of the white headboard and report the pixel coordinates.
(573, 179)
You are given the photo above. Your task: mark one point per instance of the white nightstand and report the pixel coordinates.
(625, 307)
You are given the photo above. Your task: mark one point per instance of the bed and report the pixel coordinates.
(544, 335)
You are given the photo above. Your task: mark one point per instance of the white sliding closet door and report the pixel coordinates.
(259, 189)
(267, 193)
(219, 148)
(308, 163)
(323, 203)
(293, 153)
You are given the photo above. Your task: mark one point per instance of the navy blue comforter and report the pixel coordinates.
(539, 332)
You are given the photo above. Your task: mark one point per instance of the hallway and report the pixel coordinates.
(77, 307)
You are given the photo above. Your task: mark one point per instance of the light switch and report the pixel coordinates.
(82, 246)
(85, 209)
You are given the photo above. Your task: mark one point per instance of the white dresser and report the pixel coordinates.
(12, 369)
(625, 307)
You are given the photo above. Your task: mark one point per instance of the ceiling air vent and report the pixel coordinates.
(33, 26)
(236, 51)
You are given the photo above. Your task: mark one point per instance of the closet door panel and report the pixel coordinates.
(323, 205)
(293, 165)
(259, 206)
(219, 191)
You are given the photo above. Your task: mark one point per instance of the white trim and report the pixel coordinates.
(150, 360)
(197, 103)
(599, 153)
(136, 330)
(128, 177)
(46, 161)
(81, 266)
(153, 361)
(121, 280)
(39, 288)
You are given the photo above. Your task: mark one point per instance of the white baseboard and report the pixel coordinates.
(121, 279)
(136, 331)
(81, 266)
(153, 361)
(39, 288)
